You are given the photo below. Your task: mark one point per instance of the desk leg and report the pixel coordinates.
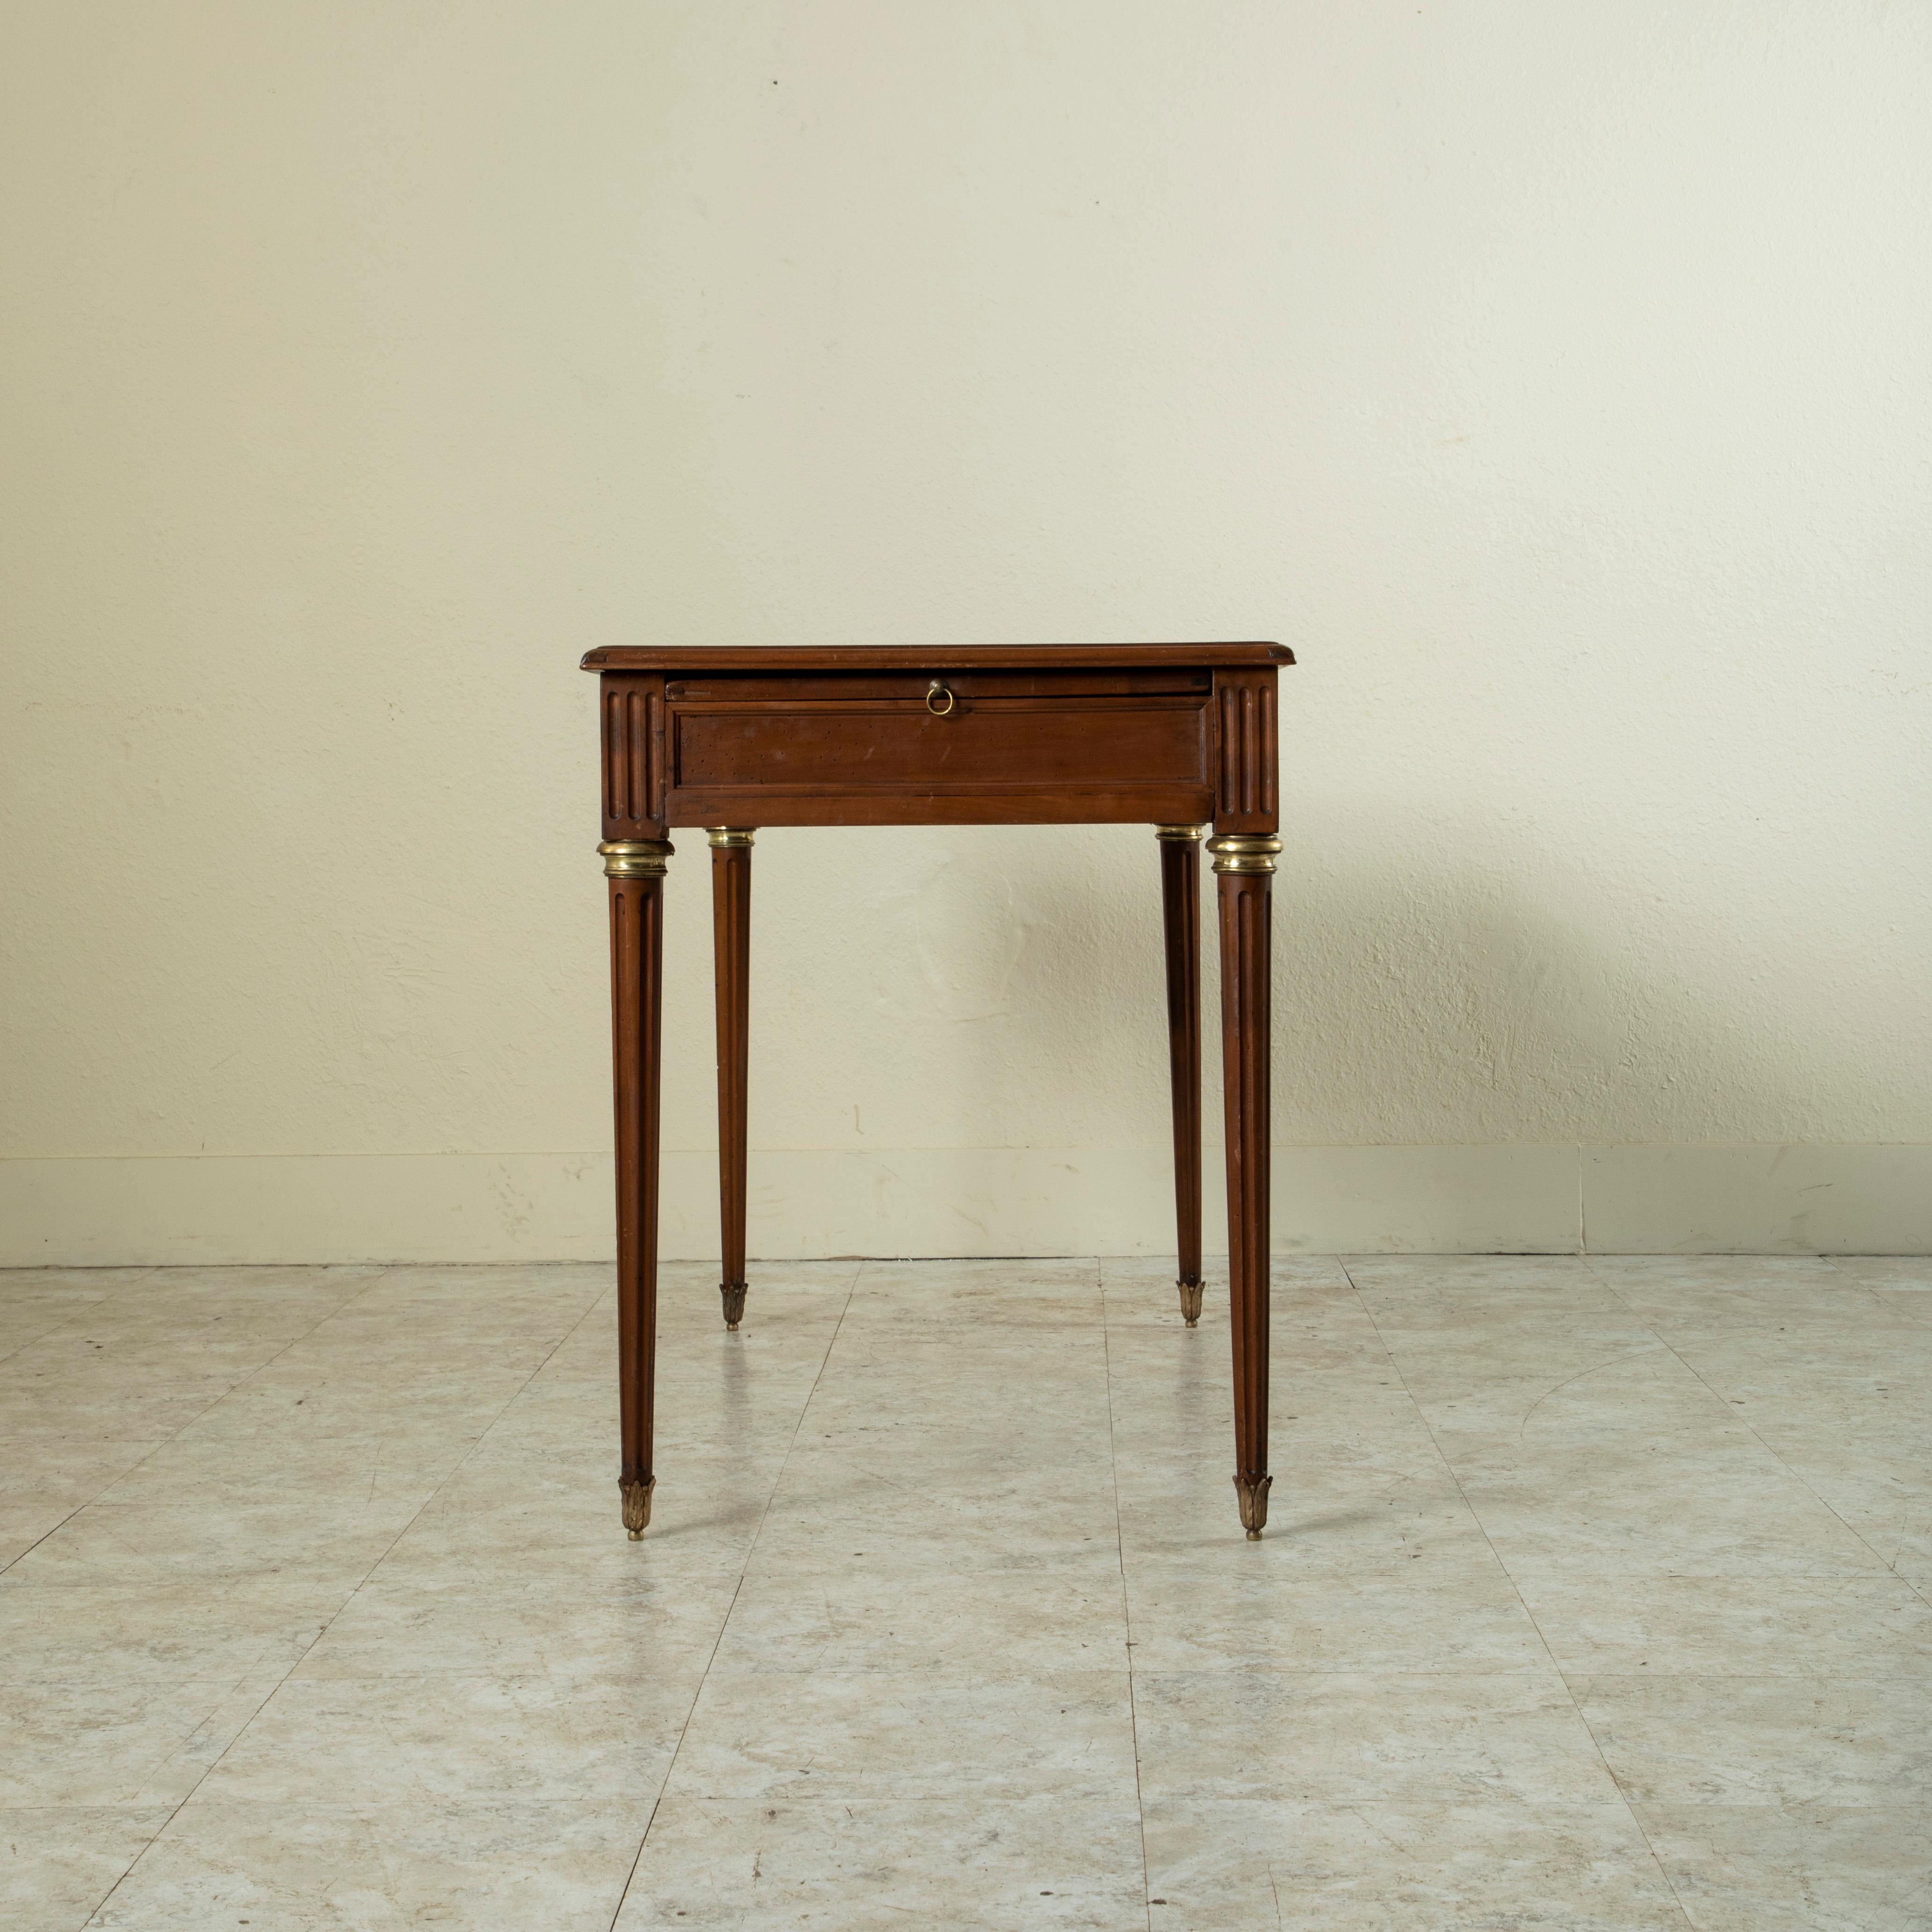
(731, 934)
(636, 870)
(1181, 910)
(1244, 870)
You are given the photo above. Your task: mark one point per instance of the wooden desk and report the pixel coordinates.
(1174, 736)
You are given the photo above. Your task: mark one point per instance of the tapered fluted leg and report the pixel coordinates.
(636, 872)
(1244, 869)
(731, 927)
(1181, 909)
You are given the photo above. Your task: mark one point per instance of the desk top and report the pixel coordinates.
(712, 657)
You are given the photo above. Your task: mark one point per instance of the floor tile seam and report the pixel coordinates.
(963, 1796)
(1610, 1282)
(1257, 1669)
(55, 1528)
(1126, 1605)
(1913, 1317)
(1459, 1671)
(1596, 1743)
(112, 1295)
(174, 1811)
(1691, 1368)
(53, 1327)
(1490, 1800)
(146, 1846)
(1782, 1682)
(724, 1622)
(962, 1677)
(296, 1663)
(1837, 1263)
(790, 1449)
(1798, 1477)
(175, 1435)
(914, 1793)
(355, 1808)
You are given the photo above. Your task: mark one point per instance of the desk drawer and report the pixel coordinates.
(1005, 749)
(994, 740)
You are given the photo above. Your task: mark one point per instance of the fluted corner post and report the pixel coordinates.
(1244, 877)
(634, 869)
(1180, 911)
(731, 937)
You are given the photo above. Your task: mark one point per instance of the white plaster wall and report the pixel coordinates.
(1552, 378)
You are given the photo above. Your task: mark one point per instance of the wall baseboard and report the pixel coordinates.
(215, 1209)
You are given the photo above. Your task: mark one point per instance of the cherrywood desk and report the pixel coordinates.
(1174, 736)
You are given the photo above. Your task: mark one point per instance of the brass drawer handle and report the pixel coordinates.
(937, 689)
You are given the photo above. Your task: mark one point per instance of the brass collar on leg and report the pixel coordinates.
(1240, 852)
(1179, 834)
(729, 836)
(635, 858)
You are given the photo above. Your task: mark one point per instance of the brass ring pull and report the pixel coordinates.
(937, 689)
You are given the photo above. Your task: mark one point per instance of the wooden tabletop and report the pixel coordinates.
(712, 657)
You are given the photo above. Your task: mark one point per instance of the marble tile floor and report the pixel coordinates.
(1597, 1593)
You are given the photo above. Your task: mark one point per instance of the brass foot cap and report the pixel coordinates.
(1253, 1497)
(734, 1294)
(1190, 1299)
(637, 1505)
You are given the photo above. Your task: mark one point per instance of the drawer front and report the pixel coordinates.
(999, 741)
(1039, 758)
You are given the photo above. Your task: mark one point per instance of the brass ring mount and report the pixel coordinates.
(1179, 834)
(937, 688)
(635, 858)
(727, 836)
(1242, 852)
